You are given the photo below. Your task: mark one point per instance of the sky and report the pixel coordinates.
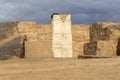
(40, 11)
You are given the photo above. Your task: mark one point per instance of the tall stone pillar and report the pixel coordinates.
(62, 36)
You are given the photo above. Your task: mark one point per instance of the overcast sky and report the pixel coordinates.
(82, 11)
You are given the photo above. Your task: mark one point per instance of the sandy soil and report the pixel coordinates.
(60, 69)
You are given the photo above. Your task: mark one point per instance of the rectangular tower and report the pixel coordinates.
(62, 37)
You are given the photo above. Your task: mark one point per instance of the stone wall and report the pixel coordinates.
(7, 30)
(104, 31)
(44, 32)
(38, 49)
(101, 48)
(34, 32)
(104, 39)
(38, 38)
(39, 42)
(80, 36)
(28, 29)
(12, 47)
(42, 47)
(45, 40)
(100, 31)
(11, 44)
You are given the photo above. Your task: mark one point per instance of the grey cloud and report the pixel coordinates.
(82, 11)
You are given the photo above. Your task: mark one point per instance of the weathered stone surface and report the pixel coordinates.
(38, 49)
(104, 31)
(115, 29)
(35, 32)
(100, 31)
(104, 37)
(39, 39)
(106, 48)
(90, 48)
(44, 32)
(13, 46)
(8, 29)
(61, 39)
(80, 36)
(62, 36)
(28, 29)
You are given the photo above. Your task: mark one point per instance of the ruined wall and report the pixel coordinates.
(38, 49)
(44, 32)
(80, 36)
(104, 31)
(35, 31)
(100, 31)
(59, 39)
(11, 42)
(38, 42)
(8, 30)
(28, 29)
(41, 44)
(37, 39)
(12, 47)
(104, 39)
(101, 48)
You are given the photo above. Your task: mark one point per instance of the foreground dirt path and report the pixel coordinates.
(60, 69)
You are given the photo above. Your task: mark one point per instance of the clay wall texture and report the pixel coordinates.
(39, 40)
(80, 36)
(104, 39)
(36, 40)
(7, 30)
(42, 44)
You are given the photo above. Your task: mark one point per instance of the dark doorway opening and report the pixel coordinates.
(118, 47)
(23, 45)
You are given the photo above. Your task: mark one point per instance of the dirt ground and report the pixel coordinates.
(60, 69)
